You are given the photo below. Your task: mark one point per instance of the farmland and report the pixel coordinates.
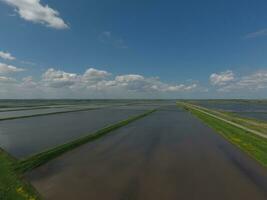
(129, 149)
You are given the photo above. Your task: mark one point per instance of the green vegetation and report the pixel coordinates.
(12, 187)
(254, 124)
(258, 125)
(229, 101)
(254, 145)
(43, 157)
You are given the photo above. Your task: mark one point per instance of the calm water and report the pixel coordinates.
(29, 112)
(7, 104)
(22, 137)
(167, 155)
(255, 115)
(247, 109)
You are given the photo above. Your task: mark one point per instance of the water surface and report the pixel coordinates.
(22, 137)
(250, 109)
(167, 155)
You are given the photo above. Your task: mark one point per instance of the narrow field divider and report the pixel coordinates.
(12, 186)
(254, 145)
(208, 112)
(44, 114)
(38, 159)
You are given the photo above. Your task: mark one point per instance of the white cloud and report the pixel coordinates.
(94, 79)
(28, 82)
(5, 69)
(93, 83)
(4, 79)
(129, 78)
(132, 82)
(138, 83)
(33, 10)
(183, 87)
(255, 34)
(257, 80)
(56, 78)
(252, 82)
(92, 74)
(222, 78)
(6, 56)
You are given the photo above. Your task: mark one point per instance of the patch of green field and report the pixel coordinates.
(254, 124)
(43, 157)
(254, 145)
(12, 187)
(229, 101)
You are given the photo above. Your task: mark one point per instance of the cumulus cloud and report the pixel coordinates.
(4, 79)
(252, 82)
(56, 78)
(257, 80)
(6, 56)
(28, 82)
(129, 78)
(222, 78)
(181, 87)
(6, 69)
(93, 83)
(100, 80)
(34, 11)
(92, 74)
(139, 83)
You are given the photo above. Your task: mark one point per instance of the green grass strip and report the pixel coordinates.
(36, 160)
(252, 144)
(44, 114)
(12, 187)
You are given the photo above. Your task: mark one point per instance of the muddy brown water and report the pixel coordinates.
(167, 155)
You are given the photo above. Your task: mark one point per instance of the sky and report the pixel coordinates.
(133, 49)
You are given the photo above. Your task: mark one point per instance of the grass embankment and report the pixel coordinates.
(254, 124)
(12, 187)
(258, 125)
(254, 145)
(231, 101)
(44, 114)
(36, 160)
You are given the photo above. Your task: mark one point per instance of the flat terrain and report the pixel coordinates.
(30, 112)
(247, 108)
(167, 155)
(22, 137)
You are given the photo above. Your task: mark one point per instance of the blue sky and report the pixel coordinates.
(133, 49)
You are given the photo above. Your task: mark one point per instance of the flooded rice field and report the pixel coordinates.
(256, 115)
(167, 155)
(249, 108)
(30, 112)
(22, 137)
(13, 103)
